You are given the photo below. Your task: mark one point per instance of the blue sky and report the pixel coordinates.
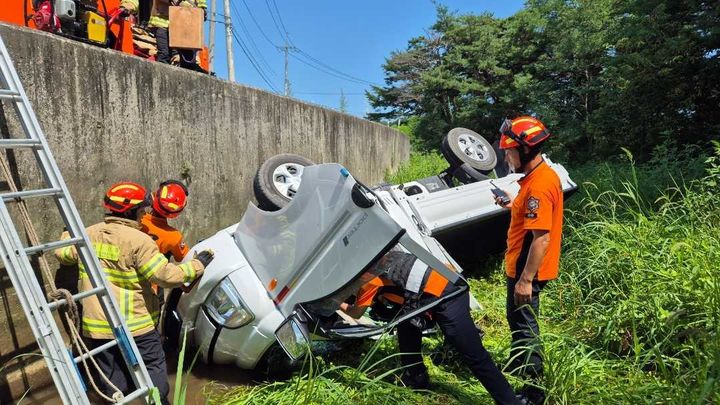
(343, 38)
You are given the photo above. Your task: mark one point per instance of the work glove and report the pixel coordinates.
(205, 257)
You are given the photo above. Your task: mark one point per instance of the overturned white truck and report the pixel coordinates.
(281, 273)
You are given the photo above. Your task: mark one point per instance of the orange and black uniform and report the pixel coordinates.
(538, 206)
(453, 317)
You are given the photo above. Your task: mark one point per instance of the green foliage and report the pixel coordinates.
(601, 74)
(419, 166)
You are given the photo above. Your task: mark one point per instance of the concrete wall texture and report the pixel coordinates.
(110, 117)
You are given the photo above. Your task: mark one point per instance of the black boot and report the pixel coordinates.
(418, 380)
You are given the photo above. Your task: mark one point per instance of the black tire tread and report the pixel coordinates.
(267, 197)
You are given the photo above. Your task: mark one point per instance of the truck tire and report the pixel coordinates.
(278, 179)
(462, 145)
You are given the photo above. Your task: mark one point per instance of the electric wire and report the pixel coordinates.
(283, 34)
(328, 67)
(252, 43)
(286, 36)
(252, 60)
(322, 93)
(297, 53)
(327, 72)
(258, 24)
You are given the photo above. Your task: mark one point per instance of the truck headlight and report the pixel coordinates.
(225, 306)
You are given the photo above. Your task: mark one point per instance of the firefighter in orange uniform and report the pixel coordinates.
(401, 271)
(168, 201)
(533, 243)
(131, 262)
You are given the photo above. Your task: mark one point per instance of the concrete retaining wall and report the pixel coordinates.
(111, 117)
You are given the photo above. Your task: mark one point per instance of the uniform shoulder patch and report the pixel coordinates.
(533, 204)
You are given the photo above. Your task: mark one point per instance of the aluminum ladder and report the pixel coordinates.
(15, 256)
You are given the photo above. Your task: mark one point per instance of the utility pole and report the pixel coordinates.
(211, 41)
(228, 42)
(287, 48)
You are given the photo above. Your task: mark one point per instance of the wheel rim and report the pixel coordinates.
(286, 179)
(473, 147)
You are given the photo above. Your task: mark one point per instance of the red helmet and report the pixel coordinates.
(124, 196)
(170, 198)
(526, 131)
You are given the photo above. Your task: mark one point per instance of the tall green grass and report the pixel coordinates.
(633, 318)
(419, 165)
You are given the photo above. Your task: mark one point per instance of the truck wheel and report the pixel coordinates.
(278, 180)
(462, 145)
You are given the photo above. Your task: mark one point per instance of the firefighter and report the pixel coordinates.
(533, 242)
(398, 271)
(168, 201)
(131, 262)
(159, 24)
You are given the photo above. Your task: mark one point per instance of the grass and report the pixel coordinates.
(419, 166)
(633, 318)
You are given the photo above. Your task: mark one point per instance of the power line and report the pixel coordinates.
(305, 54)
(328, 93)
(253, 62)
(326, 66)
(327, 72)
(287, 36)
(283, 34)
(299, 54)
(258, 24)
(253, 45)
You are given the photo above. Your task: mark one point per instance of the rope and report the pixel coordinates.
(69, 310)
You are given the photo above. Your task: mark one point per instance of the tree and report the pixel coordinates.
(600, 73)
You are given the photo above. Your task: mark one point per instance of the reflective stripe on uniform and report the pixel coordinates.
(415, 277)
(66, 255)
(158, 22)
(189, 271)
(132, 5)
(156, 263)
(117, 277)
(107, 251)
(126, 303)
(103, 326)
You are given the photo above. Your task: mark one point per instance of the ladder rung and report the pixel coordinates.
(96, 350)
(134, 395)
(53, 245)
(10, 95)
(77, 297)
(31, 193)
(20, 143)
